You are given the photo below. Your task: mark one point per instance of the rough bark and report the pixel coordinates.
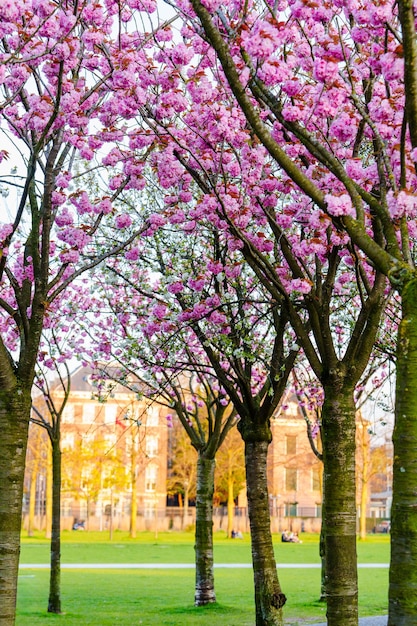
(407, 16)
(49, 494)
(14, 423)
(204, 581)
(54, 601)
(322, 551)
(339, 512)
(269, 598)
(403, 568)
(322, 547)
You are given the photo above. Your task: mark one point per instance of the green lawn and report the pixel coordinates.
(165, 597)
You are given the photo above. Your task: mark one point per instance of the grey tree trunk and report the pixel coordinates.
(403, 567)
(322, 551)
(269, 598)
(15, 404)
(204, 581)
(54, 602)
(339, 511)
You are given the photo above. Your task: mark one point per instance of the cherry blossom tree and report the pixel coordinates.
(329, 111)
(187, 386)
(206, 311)
(295, 133)
(56, 74)
(132, 343)
(48, 417)
(314, 272)
(330, 92)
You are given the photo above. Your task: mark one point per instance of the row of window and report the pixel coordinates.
(110, 439)
(148, 510)
(292, 475)
(151, 478)
(109, 413)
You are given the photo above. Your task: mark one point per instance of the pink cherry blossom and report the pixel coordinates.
(123, 221)
(339, 205)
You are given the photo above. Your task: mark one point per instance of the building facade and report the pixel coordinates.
(114, 449)
(115, 459)
(294, 471)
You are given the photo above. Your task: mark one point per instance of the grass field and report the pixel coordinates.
(162, 597)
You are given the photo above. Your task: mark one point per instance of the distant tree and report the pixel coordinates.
(330, 92)
(182, 473)
(48, 415)
(35, 466)
(230, 474)
(190, 309)
(56, 80)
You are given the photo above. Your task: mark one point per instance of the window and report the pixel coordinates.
(110, 413)
(110, 439)
(68, 414)
(151, 446)
(291, 509)
(292, 409)
(291, 444)
(150, 509)
(66, 508)
(86, 478)
(290, 479)
(89, 413)
(152, 415)
(67, 441)
(315, 479)
(150, 478)
(88, 439)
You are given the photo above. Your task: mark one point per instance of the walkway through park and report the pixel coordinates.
(182, 565)
(366, 621)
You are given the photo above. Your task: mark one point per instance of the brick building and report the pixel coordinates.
(294, 471)
(114, 447)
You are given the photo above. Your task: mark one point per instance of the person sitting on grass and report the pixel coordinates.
(290, 537)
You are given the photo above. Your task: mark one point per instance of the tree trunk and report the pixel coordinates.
(269, 598)
(49, 493)
(339, 510)
(403, 566)
(322, 551)
(322, 543)
(204, 581)
(15, 408)
(54, 601)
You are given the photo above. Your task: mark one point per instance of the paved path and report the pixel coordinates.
(183, 566)
(366, 621)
